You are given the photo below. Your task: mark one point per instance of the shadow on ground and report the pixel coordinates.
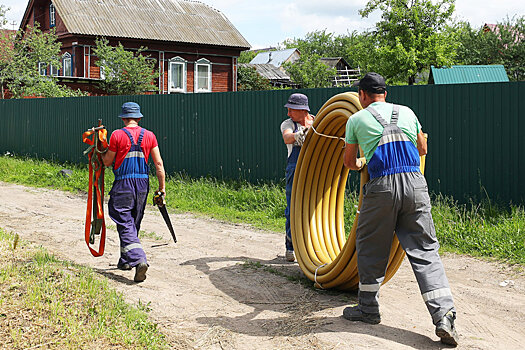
(285, 303)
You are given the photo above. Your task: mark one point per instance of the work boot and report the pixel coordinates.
(124, 266)
(140, 272)
(289, 255)
(446, 330)
(353, 313)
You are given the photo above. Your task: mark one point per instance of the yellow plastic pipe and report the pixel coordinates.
(317, 204)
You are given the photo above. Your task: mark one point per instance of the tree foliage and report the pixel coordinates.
(247, 56)
(3, 19)
(411, 36)
(22, 56)
(249, 79)
(310, 72)
(504, 45)
(125, 72)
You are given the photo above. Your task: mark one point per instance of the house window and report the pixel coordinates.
(52, 21)
(102, 71)
(177, 75)
(53, 70)
(67, 70)
(107, 72)
(42, 69)
(203, 75)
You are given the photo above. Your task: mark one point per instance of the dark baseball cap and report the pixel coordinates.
(372, 82)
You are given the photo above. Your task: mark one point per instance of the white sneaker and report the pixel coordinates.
(289, 255)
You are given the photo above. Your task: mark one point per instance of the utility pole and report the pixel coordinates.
(13, 23)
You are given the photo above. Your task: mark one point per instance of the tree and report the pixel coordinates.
(23, 56)
(247, 56)
(318, 43)
(310, 72)
(124, 72)
(411, 36)
(249, 79)
(6, 51)
(504, 44)
(358, 49)
(3, 19)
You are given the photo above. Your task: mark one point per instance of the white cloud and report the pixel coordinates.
(479, 12)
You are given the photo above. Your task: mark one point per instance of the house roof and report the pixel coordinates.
(165, 20)
(333, 61)
(468, 74)
(276, 58)
(268, 71)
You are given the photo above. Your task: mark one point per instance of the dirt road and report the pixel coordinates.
(224, 286)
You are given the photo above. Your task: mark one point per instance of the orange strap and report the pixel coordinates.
(97, 139)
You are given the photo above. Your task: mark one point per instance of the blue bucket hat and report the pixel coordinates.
(297, 101)
(130, 110)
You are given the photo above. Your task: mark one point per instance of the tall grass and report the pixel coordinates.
(481, 229)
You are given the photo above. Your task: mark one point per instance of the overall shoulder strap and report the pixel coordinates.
(129, 135)
(141, 136)
(395, 115)
(377, 116)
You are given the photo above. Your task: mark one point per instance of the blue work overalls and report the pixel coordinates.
(396, 200)
(128, 200)
(290, 171)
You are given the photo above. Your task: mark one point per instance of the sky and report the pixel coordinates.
(267, 23)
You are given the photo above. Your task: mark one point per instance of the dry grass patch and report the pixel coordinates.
(52, 304)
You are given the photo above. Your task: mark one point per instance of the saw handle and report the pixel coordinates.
(159, 199)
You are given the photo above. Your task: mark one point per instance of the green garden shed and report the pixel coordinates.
(468, 74)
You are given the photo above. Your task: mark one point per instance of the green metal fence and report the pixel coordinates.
(474, 147)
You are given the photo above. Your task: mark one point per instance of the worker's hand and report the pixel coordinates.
(159, 198)
(300, 136)
(361, 162)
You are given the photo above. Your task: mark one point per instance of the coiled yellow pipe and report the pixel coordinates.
(317, 202)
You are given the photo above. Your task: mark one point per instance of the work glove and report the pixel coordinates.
(300, 136)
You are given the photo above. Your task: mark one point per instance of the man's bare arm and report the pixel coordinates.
(159, 166)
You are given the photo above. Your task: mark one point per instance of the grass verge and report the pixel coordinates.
(479, 229)
(48, 303)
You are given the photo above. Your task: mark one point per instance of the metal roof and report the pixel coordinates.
(165, 20)
(269, 71)
(277, 58)
(468, 74)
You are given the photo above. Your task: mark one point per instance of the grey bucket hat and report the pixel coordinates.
(297, 101)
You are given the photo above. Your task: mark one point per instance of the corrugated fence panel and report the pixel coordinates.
(474, 148)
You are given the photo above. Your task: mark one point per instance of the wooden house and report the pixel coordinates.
(194, 45)
(345, 75)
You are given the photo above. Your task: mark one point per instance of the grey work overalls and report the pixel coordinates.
(396, 200)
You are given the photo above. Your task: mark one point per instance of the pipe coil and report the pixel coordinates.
(323, 253)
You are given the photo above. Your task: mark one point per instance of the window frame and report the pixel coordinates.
(42, 69)
(67, 57)
(206, 63)
(52, 15)
(178, 61)
(53, 71)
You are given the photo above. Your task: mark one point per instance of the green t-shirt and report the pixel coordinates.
(364, 129)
